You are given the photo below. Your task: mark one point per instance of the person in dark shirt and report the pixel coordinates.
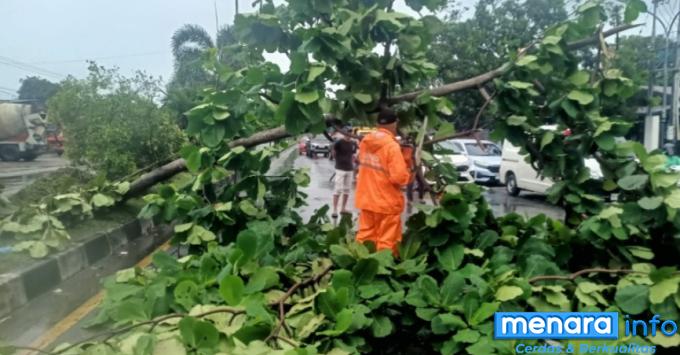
(343, 153)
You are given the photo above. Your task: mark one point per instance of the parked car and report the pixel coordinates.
(482, 158)
(518, 175)
(318, 145)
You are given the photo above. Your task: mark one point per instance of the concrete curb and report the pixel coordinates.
(19, 287)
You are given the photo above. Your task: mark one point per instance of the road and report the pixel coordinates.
(15, 175)
(320, 192)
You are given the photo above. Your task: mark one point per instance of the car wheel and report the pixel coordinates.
(511, 184)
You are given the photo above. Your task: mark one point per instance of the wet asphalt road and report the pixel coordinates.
(15, 175)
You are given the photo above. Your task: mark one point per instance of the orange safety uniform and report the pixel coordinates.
(382, 173)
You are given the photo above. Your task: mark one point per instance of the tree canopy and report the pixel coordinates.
(36, 88)
(113, 123)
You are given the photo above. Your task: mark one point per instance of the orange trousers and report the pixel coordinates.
(384, 230)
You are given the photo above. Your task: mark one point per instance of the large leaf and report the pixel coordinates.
(451, 257)
(101, 200)
(485, 310)
(365, 270)
(581, 97)
(232, 289)
(507, 293)
(633, 182)
(661, 290)
(633, 299)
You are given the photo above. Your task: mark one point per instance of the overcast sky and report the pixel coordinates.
(53, 38)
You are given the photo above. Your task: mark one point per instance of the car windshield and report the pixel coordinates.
(449, 146)
(484, 149)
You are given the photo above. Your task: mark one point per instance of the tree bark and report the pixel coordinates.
(176, 166)
(271, 135)
(478, 80)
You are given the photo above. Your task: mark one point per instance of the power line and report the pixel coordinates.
(101, 58)
(28, 67)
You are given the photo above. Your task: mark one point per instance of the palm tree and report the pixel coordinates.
(189, 44)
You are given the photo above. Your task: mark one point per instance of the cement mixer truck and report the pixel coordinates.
(22, 131)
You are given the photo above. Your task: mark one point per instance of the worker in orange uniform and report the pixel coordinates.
(382, 173)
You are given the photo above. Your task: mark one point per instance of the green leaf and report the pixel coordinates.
(641, 252)
(314, 71)
(526, 60)
(467, 336)
(101, 200)
(633, 10)
(221, 115)
(661, 290)
(633, 182)
(199, 235)
(365, 270)
(248, 208)
(180, 228)
(246, 240)
(264, 278)
(515, 120)
(126, 275)
(211, 136)
(581, 97)
(520, 84)
(185, 293)
(381, 327)
(484, 311)
(362, 97)
(343, 321)
(231, 289)
(569, 108)
(451, 257)
(650, 203)
(36, 249)
(663, 180)
(307, 97)
(452, 288)
(428, 286)
(507, 293)
(444, 323)
(673, 199)
(579, 78)
(547, 139)
(198, 334)
(633, 299)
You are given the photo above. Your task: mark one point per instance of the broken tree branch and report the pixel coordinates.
(478, 80)
(271, 135)
(282, 313)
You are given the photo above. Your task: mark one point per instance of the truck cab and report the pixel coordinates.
(22, 132)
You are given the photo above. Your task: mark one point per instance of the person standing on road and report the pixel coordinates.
(382, 174)
(343, 153)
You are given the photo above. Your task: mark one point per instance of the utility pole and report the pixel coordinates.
(236, 2)
(676, 88)
(650, 92)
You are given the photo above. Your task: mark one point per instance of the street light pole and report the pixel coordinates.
(650, 92)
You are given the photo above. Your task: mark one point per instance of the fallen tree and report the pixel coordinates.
(274, 134)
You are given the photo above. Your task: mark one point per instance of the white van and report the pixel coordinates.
(517, 174)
